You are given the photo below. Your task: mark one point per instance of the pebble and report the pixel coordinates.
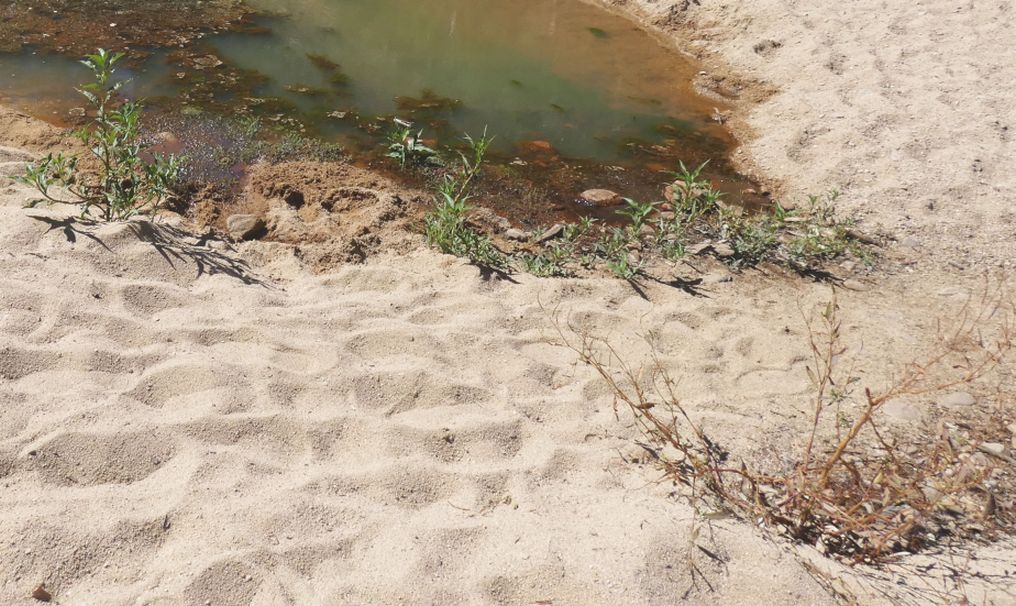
(243, 227)
(957, 399)
(993, 448)
(516, 234)
(550, 234)
(723, 250)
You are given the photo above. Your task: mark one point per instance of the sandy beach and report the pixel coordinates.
(186, 420)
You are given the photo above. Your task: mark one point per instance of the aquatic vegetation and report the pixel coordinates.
(427, 101)
(336, 77)
(126, 184)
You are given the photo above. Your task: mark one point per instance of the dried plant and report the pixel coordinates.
(853, 490)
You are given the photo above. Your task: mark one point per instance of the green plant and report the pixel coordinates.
(753, 238)
(446, 226)
(692, 196)
(126, 184)
(612, 247)
(637, 212)
(408, 148)
(548, 263)
(670, 238)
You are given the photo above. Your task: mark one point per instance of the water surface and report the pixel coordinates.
(576, 97)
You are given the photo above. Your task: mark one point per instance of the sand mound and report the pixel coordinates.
(179, 428)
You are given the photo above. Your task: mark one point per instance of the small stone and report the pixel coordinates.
(647, 231)
(41, 594)
(556, 231)
(957, 400)
(699, 249)
(719, 277)
(207, 62)
(723, 250)
(600, 197)
(516, 234)
(634, 258)
(244, 227)
(855, 285)
(903, 411)
(993, 448)
(667, 215)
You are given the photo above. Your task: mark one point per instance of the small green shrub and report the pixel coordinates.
(446, 226)
(692, 196)
(126, 184)
(548, 263)
(753, 238)
(408, 149)
(637, 212)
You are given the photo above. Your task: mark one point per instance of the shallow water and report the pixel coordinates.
(553, 70)
(558, 82)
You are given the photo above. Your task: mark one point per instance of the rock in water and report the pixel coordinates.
(600, 197)
(244, 227)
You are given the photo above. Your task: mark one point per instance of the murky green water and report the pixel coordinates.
(557, 71)
(576, 97)
(550, 70)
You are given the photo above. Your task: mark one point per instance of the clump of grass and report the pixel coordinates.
(802, 239)
(126, 183)
(753, 239)
(551, 262)
(855, 490)
(446, 226)
(638, 212)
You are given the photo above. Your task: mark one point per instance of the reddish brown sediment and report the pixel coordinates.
(78, 27)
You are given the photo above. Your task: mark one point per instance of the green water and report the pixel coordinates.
(555, 71)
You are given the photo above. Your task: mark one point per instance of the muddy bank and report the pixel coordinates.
(69, 26)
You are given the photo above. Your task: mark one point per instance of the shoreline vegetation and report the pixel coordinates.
(789, 402)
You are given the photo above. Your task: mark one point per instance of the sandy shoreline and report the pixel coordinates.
(892, 104)
(190, 422)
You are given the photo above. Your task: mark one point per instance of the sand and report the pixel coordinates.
(906, 107)
(188, 421)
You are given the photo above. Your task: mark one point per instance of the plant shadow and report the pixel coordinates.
(176, 246)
